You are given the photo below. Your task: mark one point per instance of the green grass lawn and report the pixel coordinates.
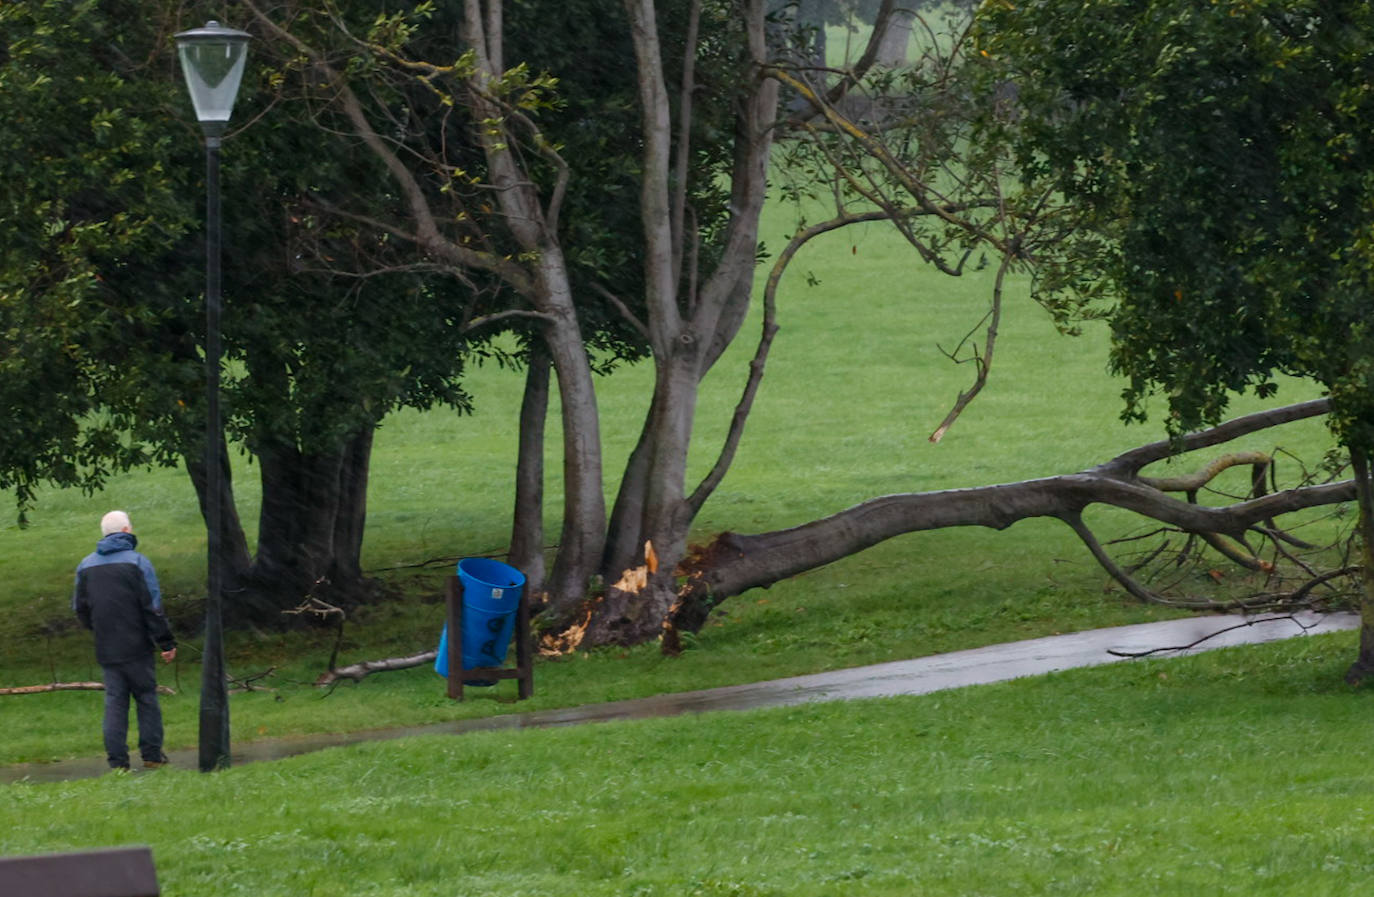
(855, 384)
(1233, 772)
(1223, 774)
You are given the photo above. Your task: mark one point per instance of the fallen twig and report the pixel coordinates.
(246, 683)
(1133, 654)
(67, 686)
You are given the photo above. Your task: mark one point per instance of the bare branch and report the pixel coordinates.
(67, 686)
(770, 328)
(1210, 636)
(984, 362)
(736, 562)
(1131, 462)
(427, 234)
(1135, 589)
(624, 310)
(484, 320)
(1191, 482)
(682, 149)
(360, 671)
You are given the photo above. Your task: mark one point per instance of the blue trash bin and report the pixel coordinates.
(491, 597)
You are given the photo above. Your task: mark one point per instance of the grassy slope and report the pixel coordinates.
(1227, 773)
(855, 384)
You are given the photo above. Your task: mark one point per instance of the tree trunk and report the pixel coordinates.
(1363, 667)
(351, 519)
(584, 503)
(527, 530)
(310, 528)
(666, 514)
(734, 562)
(687, 333)
(892, 50)
(625, 533)
(233, 543)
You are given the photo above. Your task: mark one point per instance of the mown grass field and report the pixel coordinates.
(1235, 772)
(1226, 774)
(856, 383)
(1231, 773)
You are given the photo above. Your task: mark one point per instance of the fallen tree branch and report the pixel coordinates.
(322, 610)
(359, 671)
(245, 684)
(735, 562)
(1194, 481)
(1135, 654)
(67, 686)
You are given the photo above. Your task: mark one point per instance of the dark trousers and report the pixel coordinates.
(136, 679)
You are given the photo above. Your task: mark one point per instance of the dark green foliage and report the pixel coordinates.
(94, 206)
(103, 264)
(102, 261)
(1220, 155)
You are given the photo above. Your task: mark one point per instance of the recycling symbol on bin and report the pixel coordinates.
(489, 646)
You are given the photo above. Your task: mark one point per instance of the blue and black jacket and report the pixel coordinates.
(118, 598)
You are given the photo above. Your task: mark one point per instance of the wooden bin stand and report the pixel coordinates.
(524, 663)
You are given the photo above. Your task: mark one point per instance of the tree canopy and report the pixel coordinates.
(94, 198)
(1220, 149)
(1221, 153)
(102, 267)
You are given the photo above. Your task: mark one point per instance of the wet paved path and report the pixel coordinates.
(994, 663)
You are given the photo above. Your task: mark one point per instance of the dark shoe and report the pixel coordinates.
(160, 762)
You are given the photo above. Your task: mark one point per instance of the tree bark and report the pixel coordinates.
(686, 332)
(360, 671)
(892, 49)
(236, 559)
(1363, 667)
(733, 562)
(626, 535)
(527, 530)
(310, 528)
(625, 532)
(583, 535)
(351, 518)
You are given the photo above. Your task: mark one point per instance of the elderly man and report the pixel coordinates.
(117, 597)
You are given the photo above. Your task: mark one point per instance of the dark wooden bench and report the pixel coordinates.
(116, 872)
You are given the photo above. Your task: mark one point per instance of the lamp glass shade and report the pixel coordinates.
(212, 60)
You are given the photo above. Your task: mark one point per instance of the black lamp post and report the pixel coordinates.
(212, 61)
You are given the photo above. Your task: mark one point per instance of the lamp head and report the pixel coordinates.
(212, 60)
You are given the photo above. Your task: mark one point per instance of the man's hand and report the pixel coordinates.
(169, 656)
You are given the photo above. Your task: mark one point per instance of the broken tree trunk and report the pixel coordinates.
(735, 562)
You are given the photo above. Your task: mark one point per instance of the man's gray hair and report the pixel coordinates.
(114, 522)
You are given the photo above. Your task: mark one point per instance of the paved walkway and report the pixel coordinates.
(994, 663)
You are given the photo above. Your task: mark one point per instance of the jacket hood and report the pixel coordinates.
(116, 542)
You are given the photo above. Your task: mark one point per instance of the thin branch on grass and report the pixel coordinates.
(244, 684)
(67, 686)
(1290, 617)
(360, 671)
(322, 610)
